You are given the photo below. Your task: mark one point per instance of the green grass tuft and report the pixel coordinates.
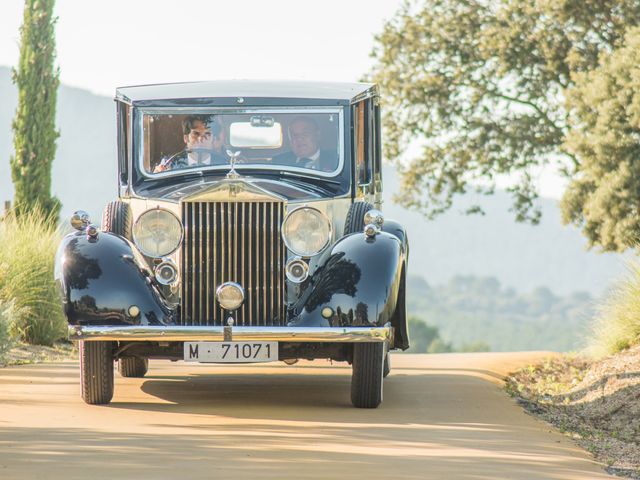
(6, 342)
(27, 249)
(616, 326)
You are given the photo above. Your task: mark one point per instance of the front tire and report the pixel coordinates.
(133, 367)
(96, 372)
(367, 376)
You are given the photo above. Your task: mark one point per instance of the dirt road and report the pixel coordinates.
(443, 417)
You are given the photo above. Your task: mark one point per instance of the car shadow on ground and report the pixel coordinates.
(278, 422)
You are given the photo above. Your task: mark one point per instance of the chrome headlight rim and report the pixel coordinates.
(288, 244)
(166, 262)
(139, 219)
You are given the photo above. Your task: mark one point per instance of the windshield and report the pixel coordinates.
(306, 140)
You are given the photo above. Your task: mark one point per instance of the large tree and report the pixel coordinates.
(34, 125)
(474, 90)
(603, 198)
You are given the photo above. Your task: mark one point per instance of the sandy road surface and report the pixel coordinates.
(443, 417)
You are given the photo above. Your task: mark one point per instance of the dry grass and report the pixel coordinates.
(23, 353)
(598, 403)
(617, 325)
(27, 249)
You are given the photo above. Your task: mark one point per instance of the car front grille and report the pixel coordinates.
(232, 241)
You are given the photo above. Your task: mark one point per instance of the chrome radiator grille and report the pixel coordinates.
(233, 241)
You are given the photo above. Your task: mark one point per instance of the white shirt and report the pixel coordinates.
(198, 159)
(314, 160)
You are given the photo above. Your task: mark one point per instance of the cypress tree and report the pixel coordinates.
(34, 124)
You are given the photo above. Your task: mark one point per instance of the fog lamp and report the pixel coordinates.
(297, 270)
(230, 295)
(166, 272)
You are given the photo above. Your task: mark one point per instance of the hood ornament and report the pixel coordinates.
(233, 159)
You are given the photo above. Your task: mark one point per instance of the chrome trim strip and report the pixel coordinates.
(272, 256)
(277, 241)
(264, 260)
(208, 268)
(201, 265)
(214, 304)
(186, 333)
(241, 311)
(193, 265)
(251, 295)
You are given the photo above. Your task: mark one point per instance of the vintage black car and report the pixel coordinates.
(247, 229)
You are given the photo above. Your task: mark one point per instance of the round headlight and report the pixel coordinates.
(306, 231)
(157, 233)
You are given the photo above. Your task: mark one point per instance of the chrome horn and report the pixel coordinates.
(80, 220)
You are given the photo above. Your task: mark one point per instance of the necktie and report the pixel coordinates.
(304, 161)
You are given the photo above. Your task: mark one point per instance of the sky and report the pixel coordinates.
(105, 44)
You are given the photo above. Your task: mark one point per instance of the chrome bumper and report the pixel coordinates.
(226, 334)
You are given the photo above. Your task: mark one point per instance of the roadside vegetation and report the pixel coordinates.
(617, 324)
(594, 397)
(594, 402)
(29, 304)
(6, 342)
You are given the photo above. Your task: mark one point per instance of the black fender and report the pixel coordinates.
(397, 230)
(399, 321)
(100, 278)
(359, 279)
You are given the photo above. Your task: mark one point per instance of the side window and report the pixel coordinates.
(364, 142)
(377, 142)
(122, 113)
(377, 155)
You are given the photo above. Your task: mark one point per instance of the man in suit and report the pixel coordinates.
(304, 137)
(204, 141)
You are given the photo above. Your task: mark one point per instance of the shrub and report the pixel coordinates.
(426, 338)
(5, 338)
(617, 324)
(27, 249)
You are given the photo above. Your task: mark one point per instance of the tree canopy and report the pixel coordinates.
(603, 198)
(34, 125)
(475, 90)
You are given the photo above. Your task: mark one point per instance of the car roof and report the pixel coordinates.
(250, 92)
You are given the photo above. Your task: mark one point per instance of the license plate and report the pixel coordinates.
(230, 352)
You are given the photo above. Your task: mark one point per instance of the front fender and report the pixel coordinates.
(359, 280)
(100, 278)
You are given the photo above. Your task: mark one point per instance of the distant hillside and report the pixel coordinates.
(84, 172)
(471, 310)
(519, 256)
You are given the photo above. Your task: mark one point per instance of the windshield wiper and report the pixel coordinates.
(287, 173)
